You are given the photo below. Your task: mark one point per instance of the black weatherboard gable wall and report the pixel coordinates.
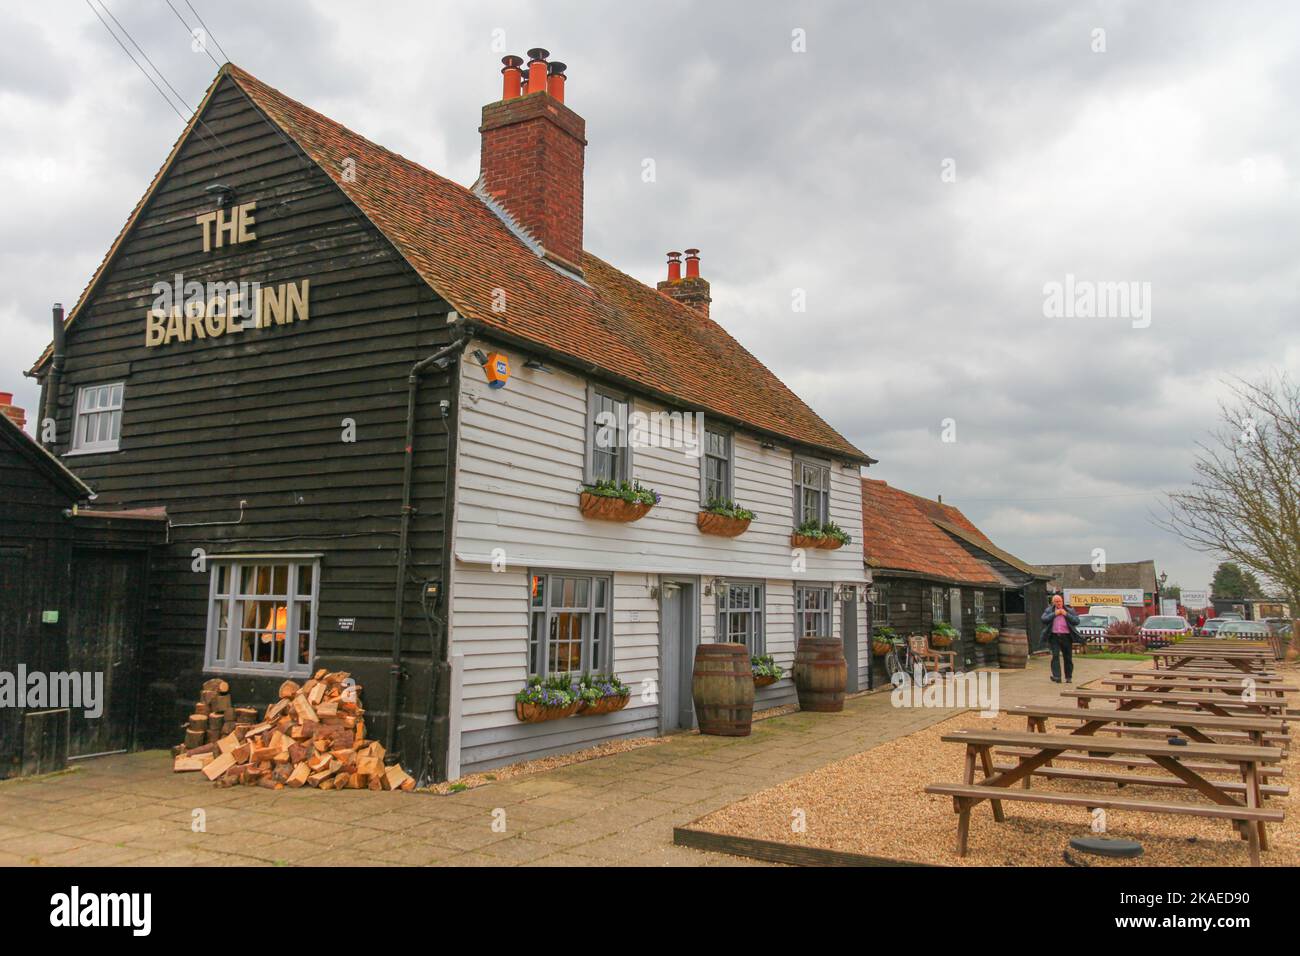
(261, 417)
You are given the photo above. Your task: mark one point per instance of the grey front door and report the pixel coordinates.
(678, 616)
(849, 634)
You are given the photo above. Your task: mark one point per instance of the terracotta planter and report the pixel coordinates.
(938, 640)
(804, 541)
(830, 544)
(606, 705)
(603, 508)
(766, 680)
(985, 637)
(536, 713)
(721, 525)
(880, 648)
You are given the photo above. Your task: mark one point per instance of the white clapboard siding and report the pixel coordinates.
(519, 468)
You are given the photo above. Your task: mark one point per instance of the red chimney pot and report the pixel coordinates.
(511, 76)
(692, 263)
(674, 266)
(537, 69)
(555, 79)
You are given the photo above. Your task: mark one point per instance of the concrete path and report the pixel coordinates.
(616, 810)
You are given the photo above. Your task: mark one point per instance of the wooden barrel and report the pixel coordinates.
(722, 686)
(820, 674)
(1013, 647)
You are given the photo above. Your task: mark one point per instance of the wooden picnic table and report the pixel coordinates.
(1232, 675)
(1244, 659)
(1192, 724)
(1216, 703)
(1241, 804)
(1170, 681)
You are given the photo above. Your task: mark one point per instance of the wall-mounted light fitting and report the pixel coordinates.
(225, 194)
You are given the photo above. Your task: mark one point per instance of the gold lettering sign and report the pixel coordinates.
(185, 311)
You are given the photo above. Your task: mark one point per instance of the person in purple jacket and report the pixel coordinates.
(1060, 631)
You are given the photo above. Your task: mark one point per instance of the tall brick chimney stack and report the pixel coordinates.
(690, 289)
(11, 411)
(533, 149)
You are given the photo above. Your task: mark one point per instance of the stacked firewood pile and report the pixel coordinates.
(314, 735)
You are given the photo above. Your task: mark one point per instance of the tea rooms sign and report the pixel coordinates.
(185, 311)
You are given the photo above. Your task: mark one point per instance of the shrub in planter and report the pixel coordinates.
(1124, 635)
(882, 639)
(766, 670)
(815, 534)
(985, 634)
(943, 634)
(601, 694)
(724, 518)
(549, 700)
(617, 500)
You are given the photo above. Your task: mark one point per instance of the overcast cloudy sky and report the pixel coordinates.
(920, 170)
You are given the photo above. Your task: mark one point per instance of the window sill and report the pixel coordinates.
(77, 452)
(256, 672)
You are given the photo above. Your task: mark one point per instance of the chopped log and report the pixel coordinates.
(302, 707)
(215, 721)
(278, 708)
(228, 743)
(195, 738)
(328, 708)
(198, 722)
(245, 715)
(185, 762)
(316, 694)
(241, 753)
(218, 766)
(299, 776)
(223, 704)
(289, 690)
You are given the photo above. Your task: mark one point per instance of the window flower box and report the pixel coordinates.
(942, 635)
(830, 544)
(766, 670)
(531, 713)
(985, 634)
(600, 694)
(616, 501)
(798, 540)
(826, 536)
(723, 518)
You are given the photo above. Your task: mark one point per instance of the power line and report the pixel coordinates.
(189, 31)
(212, 35)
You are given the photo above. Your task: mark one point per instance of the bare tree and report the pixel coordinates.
(1244, 502)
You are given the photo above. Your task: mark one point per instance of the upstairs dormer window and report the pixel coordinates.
(609, 454)
(812, 492)
(97, 418)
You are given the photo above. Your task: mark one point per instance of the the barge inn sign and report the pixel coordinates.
(187, 311)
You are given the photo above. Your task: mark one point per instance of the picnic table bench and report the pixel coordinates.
(1244, 683)
(1245, 659)
(1210, 676)
(1239, 804)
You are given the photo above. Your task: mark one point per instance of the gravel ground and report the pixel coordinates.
(873, 803)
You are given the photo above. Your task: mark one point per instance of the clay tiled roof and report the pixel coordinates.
(898, 533)
(1118, 574)
(611, 322)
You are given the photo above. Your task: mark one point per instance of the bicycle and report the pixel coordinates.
(903, 667)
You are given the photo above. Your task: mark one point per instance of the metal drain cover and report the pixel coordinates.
(1106, 846)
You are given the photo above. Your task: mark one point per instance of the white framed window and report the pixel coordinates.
(880, 605)
(609, 453)
(569, 623)
(262, 615)
(717, 464)
(812, 492)
(812, 611)
(740, 615)
(979, 607)
(936, 605)
(97, 417)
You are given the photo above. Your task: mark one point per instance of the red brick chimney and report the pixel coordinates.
(11, 411)
(532, 156)
(689, 289)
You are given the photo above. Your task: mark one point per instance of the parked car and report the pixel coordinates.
(1162, 630)
(1280, 625)
(1212, 626)
(1092, 628)
(1112, 611)
(1245, 629)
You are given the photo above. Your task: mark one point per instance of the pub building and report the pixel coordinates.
(930, 564)
(368, 400)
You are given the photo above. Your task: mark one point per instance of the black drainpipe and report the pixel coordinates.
(412, 388)
(51, 410)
